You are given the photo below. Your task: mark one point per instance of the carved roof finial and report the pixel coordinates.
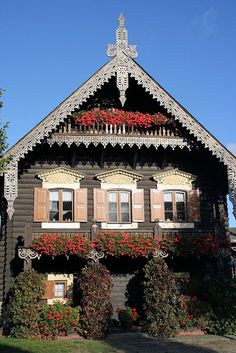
(122, 20)
(122, 41)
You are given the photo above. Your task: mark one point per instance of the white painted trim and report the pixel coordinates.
(183, 187)
(176, 225)
(119, 225)
(107, 186)
(73, 186)
(55, 225)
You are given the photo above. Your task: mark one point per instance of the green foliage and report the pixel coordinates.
(95, 284)
(58, 320)
(127, 317)
(193, 313)
(159, 302)
(221, 295)
(25, 303)
(3, 141)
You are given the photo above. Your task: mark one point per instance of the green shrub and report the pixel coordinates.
(159, 302)
(58, 320)
(193, 313)
(220, 293)
(95, 284)
(25, 303)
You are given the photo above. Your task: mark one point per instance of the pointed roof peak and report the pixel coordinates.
(122, 41)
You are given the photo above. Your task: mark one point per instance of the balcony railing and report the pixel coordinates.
(110, 129)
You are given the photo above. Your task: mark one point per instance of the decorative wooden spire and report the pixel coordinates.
(120, 48)
(122, 42)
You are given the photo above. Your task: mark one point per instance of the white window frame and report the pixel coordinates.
(119, 187)
(61, 225)
(178, 187)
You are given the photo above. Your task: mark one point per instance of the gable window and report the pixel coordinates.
(59, 289)
(175, 205)
(119, 206)
(61, 205)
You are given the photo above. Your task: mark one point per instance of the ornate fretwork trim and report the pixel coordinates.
(122, 76)
(11, 186)
(174, 177)
(120, 140)
(60, 175)
(119, 176)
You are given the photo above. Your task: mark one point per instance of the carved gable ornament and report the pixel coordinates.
(119, 176)
(174, 177)
(60, 176)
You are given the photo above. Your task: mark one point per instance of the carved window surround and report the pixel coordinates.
(174, 179)
(60, 178)
(114, 180)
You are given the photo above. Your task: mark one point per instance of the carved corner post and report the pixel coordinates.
(11, 186)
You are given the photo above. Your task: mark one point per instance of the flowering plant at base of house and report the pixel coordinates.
(194, 314)
(58, 320)
(127, 317)
(121, 117)
(126, 244)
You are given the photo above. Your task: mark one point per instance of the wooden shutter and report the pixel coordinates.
(193, 206)
(138, 205)
(49, 290)
(157, 205)
(100, 205)
(80, 206)
(41, 205)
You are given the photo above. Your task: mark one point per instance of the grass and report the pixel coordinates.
(12, 345)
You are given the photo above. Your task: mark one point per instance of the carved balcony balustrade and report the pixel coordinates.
(165, 131)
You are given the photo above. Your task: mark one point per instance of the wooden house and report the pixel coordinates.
(73, 174)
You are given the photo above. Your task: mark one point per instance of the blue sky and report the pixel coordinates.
(50, 47)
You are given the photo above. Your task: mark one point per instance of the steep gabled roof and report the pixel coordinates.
(122, 65)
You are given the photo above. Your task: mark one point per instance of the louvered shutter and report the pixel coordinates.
(138, 205)
(41, 205)
(157, 205)
(49, 290)
(80, 205)
(193, 206)
(100, 205)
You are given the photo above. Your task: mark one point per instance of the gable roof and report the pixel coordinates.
(75, 100)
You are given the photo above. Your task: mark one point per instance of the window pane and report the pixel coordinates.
(67, 206)
(54, 206)
(112, 207)
(54, 196)
(179, 197)
(112, 217)
(125, 217)
(67, 196)
(169, 216)
(168, 197)
(59, 289)
(180, 206)
(124, 207)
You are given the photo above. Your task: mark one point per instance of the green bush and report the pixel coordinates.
(95, 285)
(25, 303)
(160, 298)
(193, 313)
(58, 320)
(220, 293)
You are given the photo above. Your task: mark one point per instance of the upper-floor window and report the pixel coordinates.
(60, 205)
(119, 206)
(175, 205)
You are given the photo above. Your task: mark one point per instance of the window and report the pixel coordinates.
(119, 206)
(175, 205)
(60, 205)
(60, 289)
